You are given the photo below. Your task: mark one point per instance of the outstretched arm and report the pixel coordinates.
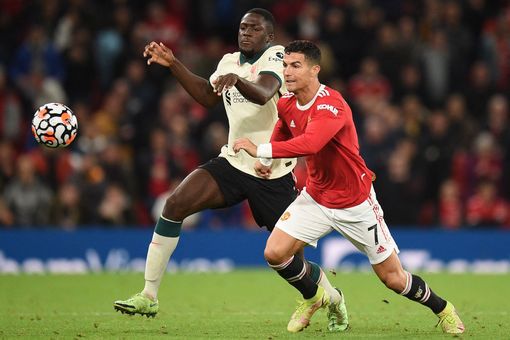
(317, 134)
(196, 86)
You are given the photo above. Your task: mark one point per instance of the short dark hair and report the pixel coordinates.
(308, 48)
(268, 17)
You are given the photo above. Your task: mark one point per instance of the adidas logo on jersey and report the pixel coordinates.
(328, 107)
(292, 124)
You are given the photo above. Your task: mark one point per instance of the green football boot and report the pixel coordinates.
(137, 304)
(301, 317)
(450, 321)
(338, 319)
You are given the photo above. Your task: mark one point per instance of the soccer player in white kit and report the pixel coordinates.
(249, 83)
(316, 123)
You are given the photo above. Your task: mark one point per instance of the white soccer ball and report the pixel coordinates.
(54, 125)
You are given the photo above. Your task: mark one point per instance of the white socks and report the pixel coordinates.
(333, 293)
(160, 250)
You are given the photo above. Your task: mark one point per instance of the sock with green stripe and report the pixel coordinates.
(164, 240)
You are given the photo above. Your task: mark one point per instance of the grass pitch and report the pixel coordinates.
(245, 304)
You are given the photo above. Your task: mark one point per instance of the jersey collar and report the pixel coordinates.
(244, 59)
(310, 103)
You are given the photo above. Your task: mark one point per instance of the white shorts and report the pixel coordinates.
(363, 225)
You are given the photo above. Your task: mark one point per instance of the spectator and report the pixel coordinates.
(479, 90)
(307, 24)
(436, 150)
(437, 61)
(460, 42)
(369, 86)
(462, 126)
(485, 208)
(6, 216)
(388, 52)
(115, 208)
(486, 160)
(164, 26)
(80, 65)
(399, 187)
(37, 61)
(28, 199)
(498, 120)
(450, 209)
(68, 207)
(428, 82)
(496, 50)
(7, 163)
(409, 83)
(11, 118)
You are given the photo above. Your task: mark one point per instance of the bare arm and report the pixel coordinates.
(262, 170)
(196, 86)
(259, 92)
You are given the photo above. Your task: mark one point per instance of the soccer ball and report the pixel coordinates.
(54, 125)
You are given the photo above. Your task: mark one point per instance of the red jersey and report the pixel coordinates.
(324, 132)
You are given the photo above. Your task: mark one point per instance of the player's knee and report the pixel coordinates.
(174, 208)
(274, 255)
(394, 281)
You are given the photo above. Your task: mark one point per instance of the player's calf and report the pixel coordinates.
(418, 290)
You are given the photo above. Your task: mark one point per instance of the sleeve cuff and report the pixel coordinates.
(265, 150)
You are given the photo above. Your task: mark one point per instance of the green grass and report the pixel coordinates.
(248, 304)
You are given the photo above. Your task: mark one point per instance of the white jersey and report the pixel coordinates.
(247, 119)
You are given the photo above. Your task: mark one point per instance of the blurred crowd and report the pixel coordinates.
(428, 82)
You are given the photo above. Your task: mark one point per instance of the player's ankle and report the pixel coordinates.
(149, 296)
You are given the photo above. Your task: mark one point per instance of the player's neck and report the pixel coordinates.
(308, 93)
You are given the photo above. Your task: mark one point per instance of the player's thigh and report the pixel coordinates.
(365, 227)
(268, 199)
(198, 191)
(228, 179)
(305, 220)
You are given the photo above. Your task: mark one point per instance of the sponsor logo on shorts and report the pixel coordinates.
(381, 249)
(285, 216)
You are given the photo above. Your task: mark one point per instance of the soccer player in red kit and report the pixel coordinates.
(316, 123)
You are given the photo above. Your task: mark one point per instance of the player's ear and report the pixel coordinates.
(316, 69)
(269, 38)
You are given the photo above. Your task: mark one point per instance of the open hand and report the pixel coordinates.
(224, 82)
(158, 53)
